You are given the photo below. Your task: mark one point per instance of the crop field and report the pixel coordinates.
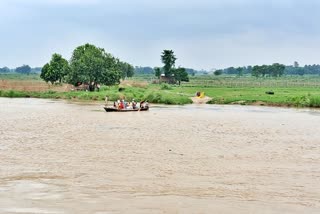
(286, 91)
(31, 85)
(228, 81)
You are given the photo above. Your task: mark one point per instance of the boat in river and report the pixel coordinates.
(113, 109)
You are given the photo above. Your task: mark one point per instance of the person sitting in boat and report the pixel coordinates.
(142, 104)
(126, 104)
(129, 105)
(120, 104)
(134, 104)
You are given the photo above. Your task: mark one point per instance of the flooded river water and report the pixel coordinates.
(60, 157)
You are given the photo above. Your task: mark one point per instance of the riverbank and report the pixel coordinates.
(180, 96)
(113, 94)
(167, 94)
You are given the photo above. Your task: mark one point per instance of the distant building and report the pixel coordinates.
(170, 80)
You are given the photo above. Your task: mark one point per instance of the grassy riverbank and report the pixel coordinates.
(152, 94)
(298, 97)
(287, 92)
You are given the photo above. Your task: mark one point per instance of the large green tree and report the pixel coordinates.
(168, 59)
(91, 64)
(180, 74)
(55, 70)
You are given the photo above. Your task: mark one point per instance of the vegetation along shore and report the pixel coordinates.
(92, 74)
(228, 92)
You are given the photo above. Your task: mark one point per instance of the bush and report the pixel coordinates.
(165, 86)
(157, 97)
(13, 94)
(300, 101)
(314, 101)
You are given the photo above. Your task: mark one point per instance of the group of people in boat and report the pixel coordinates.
(123, 105)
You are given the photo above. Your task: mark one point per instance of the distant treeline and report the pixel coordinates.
(275, 69)
(24, 69)
(263, 70)
(139, 70)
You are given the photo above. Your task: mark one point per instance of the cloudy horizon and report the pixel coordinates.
(203, 34)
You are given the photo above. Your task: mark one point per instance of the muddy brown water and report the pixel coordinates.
(60, 157)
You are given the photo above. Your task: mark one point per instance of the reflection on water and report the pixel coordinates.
(64, 157)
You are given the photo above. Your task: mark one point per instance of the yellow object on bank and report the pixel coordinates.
(201, 95)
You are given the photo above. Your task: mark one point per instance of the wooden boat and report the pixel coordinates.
(113, 109)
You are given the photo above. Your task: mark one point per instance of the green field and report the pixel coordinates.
(288, 91)
(248, 81)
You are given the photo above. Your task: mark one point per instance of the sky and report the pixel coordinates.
(204, 34)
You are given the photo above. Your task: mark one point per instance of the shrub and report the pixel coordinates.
(314, 101)
(157, 97)
(165, 86)
(299, 101)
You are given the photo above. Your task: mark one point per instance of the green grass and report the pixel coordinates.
(299, 96)
(248, 81)
(153, 94)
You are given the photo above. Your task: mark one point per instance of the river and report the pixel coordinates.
(63, 157)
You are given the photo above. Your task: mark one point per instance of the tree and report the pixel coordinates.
(239, 71)
(4, 70)
(300, 71)
(143, 70)
(274, 70)
(168, 59)
(277, 69)
(111, 77)
(217, 72)
(231, 70)
(180, 74)
(191, 71)
(256, 71)
(24, 69)
(46, 73)
(93, 65)
(295, 64)
(55, 70)
(127, 70)
(157, 72)
(130, 70)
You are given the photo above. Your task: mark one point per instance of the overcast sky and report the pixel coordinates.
(204, 34)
